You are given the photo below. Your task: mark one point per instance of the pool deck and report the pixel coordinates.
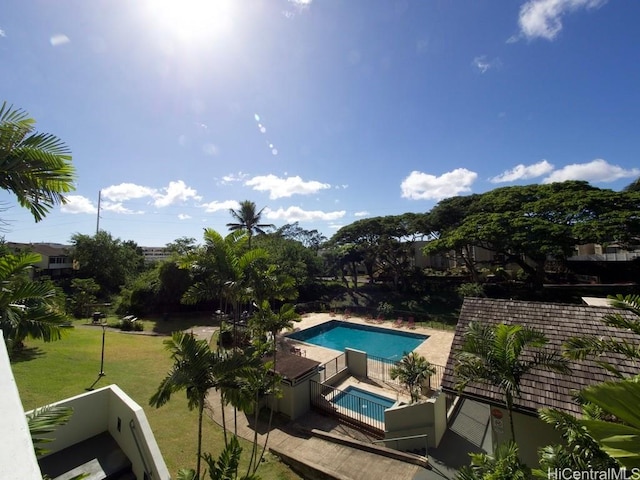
(435, 349)
(348, 463)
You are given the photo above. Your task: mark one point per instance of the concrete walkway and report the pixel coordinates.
(309, 454)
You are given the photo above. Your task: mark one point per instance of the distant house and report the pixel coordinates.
(155, 254)
(540, 389)
(56, 261)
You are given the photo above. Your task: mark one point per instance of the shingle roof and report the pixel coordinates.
(558, 322)
(292, 367)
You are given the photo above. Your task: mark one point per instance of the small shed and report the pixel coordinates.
(296, 372)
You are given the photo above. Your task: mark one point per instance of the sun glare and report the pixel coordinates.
(191, 20)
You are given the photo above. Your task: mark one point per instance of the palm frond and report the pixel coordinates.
(44, 421)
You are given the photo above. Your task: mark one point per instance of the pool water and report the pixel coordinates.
(379, 342)
(365, 403)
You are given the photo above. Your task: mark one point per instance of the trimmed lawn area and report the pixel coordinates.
(49, 372)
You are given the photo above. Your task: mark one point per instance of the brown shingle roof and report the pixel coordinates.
(292, 367)
(558, 322)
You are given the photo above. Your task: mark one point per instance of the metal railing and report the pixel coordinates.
(351, 409)
(380, 369)
(333, 367)
(147, 471)
(410, 437)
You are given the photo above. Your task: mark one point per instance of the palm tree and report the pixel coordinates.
(266, 320)
(579, 451)
(27, 309)
(224, 269)
(192, 372)
(618, 400)
(412, 371)
(248, 219)
(35, 167)
(224, 468)
(493, 354)
(196, 369)
(504, 464)
(580, 348)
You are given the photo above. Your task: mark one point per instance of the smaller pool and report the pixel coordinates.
(362, 402)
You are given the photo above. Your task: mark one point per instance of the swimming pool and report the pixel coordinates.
(379, 342)
(362, 402)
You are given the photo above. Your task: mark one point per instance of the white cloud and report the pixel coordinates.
(522, 172)
(174, 193)
(285, 187)
(596, 171)
(2, 33)
(233, 177)
(78, 204)
(296, 214)
(118, 207)
(363, 213)
(183, 216)
(542, 18)
(483, 64)
(217, 206)
(127, 191)
(297, 6)
(58, 39)
(422, 186)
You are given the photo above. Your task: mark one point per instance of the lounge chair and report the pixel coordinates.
(411, 323)
(398, 322)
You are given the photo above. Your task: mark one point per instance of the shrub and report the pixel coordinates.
(385, 309)
(128, 325)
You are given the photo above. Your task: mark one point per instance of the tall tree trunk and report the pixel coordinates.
(224, 420)
(509, 402)
(200, 415)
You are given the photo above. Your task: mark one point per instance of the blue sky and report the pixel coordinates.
(321, 111)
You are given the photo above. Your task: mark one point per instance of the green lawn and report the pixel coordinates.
(136, 363)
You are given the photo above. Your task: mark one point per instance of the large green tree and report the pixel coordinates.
(36, 167)
(248, 219)
(495, 355)
(384, 245)
(293, 258)
(530, 224)
(111, 262)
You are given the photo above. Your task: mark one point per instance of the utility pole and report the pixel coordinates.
(98, 219)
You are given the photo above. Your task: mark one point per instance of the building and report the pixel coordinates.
(539, 388)
(56, 259)
(155, 254)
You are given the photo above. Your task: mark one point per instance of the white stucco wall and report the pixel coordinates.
(426, 417)
(17, 458)
(98, 411)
